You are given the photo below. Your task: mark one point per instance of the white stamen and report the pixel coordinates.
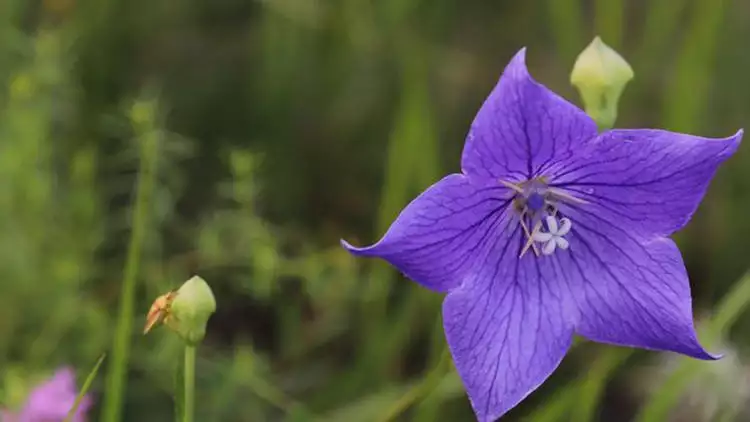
(512, 186)
(566, 196)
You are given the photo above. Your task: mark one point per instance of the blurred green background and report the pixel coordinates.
(144, 141)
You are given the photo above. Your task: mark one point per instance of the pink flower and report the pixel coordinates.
(51, 401)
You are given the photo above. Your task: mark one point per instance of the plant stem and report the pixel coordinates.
(566, 22)
(116, 382)
(608, 21)
(187, 415)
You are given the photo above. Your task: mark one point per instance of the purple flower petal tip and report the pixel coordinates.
(353, 249)
(733, 142)
(553, 229)
(736, 139)
(714, 356)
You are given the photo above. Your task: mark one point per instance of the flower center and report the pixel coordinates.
(537, 207)
(535, 202)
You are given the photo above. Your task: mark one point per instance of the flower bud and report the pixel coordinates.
(600, 74)
(191, 308)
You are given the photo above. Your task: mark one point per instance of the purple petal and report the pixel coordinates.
(438, 236)
(649, 180)
(629, 290)
(508, 328)
(523, 128)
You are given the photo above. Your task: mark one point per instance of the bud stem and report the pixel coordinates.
(189, 378)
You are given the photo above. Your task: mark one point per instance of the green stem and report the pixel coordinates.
(608, 21)
(421, 390)
(187, 414)
(688, 93)
(115, 385)
(566, 21)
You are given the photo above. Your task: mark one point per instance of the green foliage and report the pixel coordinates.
(143, 142)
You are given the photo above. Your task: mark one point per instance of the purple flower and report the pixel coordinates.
(551, 230)
(51, 401)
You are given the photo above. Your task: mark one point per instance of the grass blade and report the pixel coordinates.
(85, 388)
(148, 137)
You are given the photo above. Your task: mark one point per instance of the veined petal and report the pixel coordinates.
(507, 329)
(523, 128)
(649, 180)
(629, 290)
(438, 236)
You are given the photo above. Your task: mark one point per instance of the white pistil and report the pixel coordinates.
(554, 237)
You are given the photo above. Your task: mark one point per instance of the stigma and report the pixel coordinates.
(553, 238)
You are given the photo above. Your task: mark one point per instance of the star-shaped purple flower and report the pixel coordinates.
(51, 401)
(551, 230)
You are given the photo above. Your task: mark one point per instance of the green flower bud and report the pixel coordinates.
(600, 74)
(191, 308)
